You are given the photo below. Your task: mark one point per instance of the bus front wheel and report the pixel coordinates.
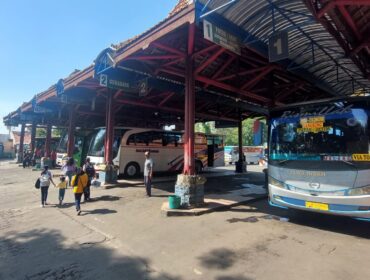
(132, 170)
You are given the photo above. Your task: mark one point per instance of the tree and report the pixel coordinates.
(40, 132)
(231, 134)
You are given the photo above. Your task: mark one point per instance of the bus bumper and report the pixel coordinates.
(351, 206)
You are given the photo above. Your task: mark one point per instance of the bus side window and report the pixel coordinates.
(155, 139)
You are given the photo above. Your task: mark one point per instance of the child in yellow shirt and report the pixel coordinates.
(62, 189)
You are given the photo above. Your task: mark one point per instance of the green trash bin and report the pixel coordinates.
(174, 201)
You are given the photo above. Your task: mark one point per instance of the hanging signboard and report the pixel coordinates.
(104, 61)
(221, 37)
(114, 83)
(278, 46)
(143, 87)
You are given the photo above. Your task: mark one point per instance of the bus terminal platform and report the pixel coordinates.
(224, 189)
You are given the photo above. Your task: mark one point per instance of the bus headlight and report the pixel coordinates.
(359, 191)
(275, 182)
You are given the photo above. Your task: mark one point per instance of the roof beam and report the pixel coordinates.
(170, 109)
(330, 5)
(168, 97)
(359, 48)
(206, 50)
(209, 61)
(167, 48)
(232, 89)
(288, 92)
(260, 76)
(242, 73)
(350, 22)
(153, 57)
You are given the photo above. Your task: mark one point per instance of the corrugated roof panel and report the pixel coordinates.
(255, 17)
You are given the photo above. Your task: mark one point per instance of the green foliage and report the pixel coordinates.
(40, 132)
(57, 132)
(231, 134)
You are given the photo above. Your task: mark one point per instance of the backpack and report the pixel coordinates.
(90, 171)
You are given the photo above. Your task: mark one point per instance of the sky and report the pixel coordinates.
(42, 41)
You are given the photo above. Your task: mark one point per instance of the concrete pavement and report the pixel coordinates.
(122, 235)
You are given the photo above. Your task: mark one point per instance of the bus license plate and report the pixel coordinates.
(317, 205)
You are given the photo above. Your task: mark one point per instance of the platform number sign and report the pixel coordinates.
(143, 87)
(103, 80)
(278, 46)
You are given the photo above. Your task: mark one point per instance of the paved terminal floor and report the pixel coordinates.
(121, 234)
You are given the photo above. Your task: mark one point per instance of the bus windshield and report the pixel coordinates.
(62, 146)
(96, 148)
(335, 136)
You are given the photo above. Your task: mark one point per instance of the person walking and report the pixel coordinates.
(79, 182)
(89, 169)
(53, 157)
(148, 173)
(62, 189)
(45, 180)
(69, 169)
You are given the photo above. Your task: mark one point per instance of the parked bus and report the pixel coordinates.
(252, 154)
(81, 139)
(319, 157)
(166, 147)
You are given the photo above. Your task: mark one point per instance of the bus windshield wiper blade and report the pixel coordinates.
(283, 161)
(347, 162)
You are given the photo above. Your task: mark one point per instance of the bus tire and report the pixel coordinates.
(198, 167)
(132, 170)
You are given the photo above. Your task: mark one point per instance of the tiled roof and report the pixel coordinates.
(181, 5)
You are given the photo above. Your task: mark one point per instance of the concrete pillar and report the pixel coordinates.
(189, 158)
(48, 141)
(109, 132)
(21, 143)
(71, 130)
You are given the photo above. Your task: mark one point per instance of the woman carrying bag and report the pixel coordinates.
(79, 182)
(45, 180)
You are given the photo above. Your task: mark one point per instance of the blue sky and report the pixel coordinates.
(42, 41)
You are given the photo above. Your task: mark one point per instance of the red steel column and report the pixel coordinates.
(189, 158)
(21, 143)
(109, 133)
(48, 140)
(71, 129)
(33, 137)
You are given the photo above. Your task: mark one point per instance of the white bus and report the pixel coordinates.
(319, 157)
(252, 154)
(166, 148)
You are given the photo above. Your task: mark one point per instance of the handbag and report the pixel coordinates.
(37, 183)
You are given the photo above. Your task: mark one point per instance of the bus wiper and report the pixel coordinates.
(347, 162)
(283, 161)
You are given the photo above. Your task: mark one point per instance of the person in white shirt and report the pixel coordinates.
(45, 180)
(148, 173)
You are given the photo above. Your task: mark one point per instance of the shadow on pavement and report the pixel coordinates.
(43, 254)
(105, 198)
(343, 225)
(221, 259)
(102, 211)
